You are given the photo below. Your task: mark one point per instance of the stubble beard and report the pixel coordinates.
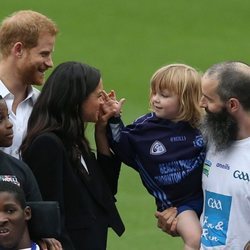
(32, 76)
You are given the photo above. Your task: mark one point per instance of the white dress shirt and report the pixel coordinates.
(20, 119)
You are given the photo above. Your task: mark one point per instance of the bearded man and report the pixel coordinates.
(226, 174)
(225, 219)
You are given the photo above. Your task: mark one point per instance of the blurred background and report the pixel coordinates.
(128, 41)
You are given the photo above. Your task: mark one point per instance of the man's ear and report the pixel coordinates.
(233, 105)
(27, 213)
(18, 49)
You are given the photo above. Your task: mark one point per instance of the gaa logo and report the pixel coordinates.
(213, 203)
(241, 175)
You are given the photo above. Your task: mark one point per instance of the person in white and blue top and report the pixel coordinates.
(167, 149)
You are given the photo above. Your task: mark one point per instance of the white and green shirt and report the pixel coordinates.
(226, 185)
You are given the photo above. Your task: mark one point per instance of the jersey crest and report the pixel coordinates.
(157, 148)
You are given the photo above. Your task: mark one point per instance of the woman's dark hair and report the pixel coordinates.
(59, 106)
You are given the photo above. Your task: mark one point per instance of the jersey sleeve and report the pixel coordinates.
(121, 141)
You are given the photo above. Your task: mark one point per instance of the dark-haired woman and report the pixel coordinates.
(58, 152)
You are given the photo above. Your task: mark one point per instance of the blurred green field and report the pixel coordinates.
(128, 41)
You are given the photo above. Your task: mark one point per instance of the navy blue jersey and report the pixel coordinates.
(17, 172)
(168, 156)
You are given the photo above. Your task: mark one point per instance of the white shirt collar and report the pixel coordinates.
(32, 92)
